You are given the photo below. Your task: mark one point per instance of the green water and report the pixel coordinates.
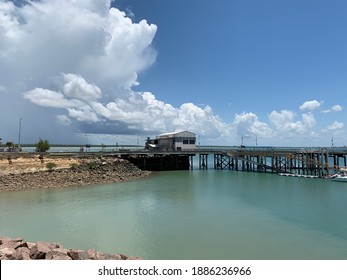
(200, 214)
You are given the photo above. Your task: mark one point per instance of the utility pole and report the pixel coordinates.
(20, 128)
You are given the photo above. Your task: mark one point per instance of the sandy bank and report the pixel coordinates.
(30, 172)
(27, 163)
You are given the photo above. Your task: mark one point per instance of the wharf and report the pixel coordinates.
(317, 162)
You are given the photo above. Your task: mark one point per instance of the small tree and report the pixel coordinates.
(42, 146)
(10, 146)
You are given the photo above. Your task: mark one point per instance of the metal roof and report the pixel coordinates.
(175, 133)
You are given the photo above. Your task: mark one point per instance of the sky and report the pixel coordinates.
(267, 73)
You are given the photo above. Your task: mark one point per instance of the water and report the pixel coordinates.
(199, 214)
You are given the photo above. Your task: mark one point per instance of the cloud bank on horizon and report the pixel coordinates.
(81, 66)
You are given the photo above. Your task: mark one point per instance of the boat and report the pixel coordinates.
(297, 175)
(341, 176)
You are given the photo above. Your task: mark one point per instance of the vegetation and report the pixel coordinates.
(12, 147)
(42, 146)
(9, 145)
(51, 165)
(74, 166)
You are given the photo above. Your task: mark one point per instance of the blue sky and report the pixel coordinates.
(274, 71)
(248, 56)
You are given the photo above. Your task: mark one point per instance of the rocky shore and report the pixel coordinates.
(19, 249)
(35, 172)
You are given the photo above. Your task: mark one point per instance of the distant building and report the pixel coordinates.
(172, 141)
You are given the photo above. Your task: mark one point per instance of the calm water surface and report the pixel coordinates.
(199, 214)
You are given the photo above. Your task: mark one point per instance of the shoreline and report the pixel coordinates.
(19, 249)
(28, 173)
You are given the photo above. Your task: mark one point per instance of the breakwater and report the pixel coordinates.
(19, 249)
(31, 173)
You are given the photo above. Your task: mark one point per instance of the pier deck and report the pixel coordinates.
(304, 161)
(311, 161)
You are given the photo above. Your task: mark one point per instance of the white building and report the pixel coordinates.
(173, 141)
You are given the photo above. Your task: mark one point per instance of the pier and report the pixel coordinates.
(304, 162)
(317, 162)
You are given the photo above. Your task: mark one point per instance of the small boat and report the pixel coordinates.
(341, 176)
(297, 175)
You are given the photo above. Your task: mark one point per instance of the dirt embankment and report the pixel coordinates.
(32, 172)
(26, 163)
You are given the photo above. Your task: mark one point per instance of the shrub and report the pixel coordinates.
(51, 165)
(74, 166)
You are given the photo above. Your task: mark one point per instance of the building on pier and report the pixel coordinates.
(172, 141)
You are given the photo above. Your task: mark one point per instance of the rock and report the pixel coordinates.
(18, 249)
(92, 254)
(7, 254)
(103, 256)
(30, 245)
(133, 258)
(39, 250)
(79, 255)
(123, 257)
(58, 254)
(22, 253)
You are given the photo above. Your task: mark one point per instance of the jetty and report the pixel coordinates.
(304, 161)
(318, 162)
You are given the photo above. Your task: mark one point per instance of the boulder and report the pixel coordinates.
(22, 253)
(18, 249)
(39, 250)
(7, 254)
(58, 254)
(79, 255)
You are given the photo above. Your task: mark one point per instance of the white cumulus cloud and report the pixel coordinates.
(334, 129)
(77, 87)
(44, 38)
(335, 126)
(47, 98)
(140, 111)
(248, 125)
(334, 108)
(285, 125)
(311, 105)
